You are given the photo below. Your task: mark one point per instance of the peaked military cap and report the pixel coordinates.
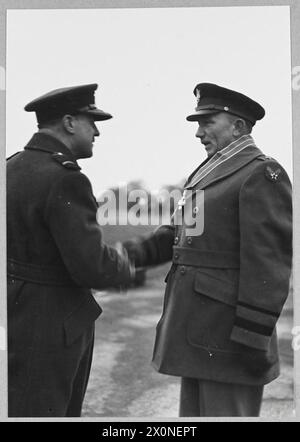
(68, 100)
(212, 98)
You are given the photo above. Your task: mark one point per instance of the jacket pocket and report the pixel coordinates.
(80, 319)
(218, 285)
(212, 310)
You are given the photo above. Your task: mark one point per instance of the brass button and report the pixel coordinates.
(176, 256)
(195, 209)
(189, 240)
(182, 270)
(176, 240)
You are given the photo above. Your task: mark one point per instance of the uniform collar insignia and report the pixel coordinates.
(65, 161)
(49, 144)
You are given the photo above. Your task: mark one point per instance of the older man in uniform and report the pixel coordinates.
(56, 254)
(227, 286)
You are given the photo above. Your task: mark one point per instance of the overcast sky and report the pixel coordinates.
(147, 62)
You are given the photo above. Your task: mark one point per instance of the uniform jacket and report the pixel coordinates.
(55, 256)
(227, 286)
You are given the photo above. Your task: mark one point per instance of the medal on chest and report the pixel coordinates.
(182, 200)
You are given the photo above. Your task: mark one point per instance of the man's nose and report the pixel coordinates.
(200, 132)
(96, 132)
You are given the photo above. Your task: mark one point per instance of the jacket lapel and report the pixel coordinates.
(189, 180)
(226, 168)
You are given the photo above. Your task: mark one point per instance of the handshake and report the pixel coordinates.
(133, 250)
(142, 252)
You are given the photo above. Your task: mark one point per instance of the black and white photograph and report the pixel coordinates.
(149, 212)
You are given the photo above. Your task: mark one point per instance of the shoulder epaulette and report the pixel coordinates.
(65, 161)
(265, 158)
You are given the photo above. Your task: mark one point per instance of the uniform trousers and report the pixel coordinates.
(204, 398)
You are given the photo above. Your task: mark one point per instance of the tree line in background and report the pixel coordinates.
(135, 193)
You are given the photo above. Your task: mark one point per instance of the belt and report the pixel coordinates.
(49, 275)
(205, 258)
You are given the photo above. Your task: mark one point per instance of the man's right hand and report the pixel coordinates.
(135, 252)
(138, 274)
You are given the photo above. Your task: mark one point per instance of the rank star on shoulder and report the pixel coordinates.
(119, 432)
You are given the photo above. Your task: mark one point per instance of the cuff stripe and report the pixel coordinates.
(253, 326)
(258, 309)
(254, 316)
(250, 339)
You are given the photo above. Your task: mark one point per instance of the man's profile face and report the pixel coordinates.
(215, 131)
(84, 136)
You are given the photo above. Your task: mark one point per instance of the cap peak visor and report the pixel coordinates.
(99, 115)
(95, 113)
(195, 116)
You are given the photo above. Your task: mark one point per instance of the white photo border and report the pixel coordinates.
(295, 86)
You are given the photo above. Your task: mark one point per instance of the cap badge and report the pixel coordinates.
(198, 95)
(272, 175)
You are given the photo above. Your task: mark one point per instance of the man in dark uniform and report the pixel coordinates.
(228, 283)
(55, 256)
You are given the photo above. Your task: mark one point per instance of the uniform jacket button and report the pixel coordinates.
(176, 256)
(189, 240)
(176, 240)
(182, 270)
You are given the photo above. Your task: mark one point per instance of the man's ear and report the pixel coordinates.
(69, 123)
(239, 127)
